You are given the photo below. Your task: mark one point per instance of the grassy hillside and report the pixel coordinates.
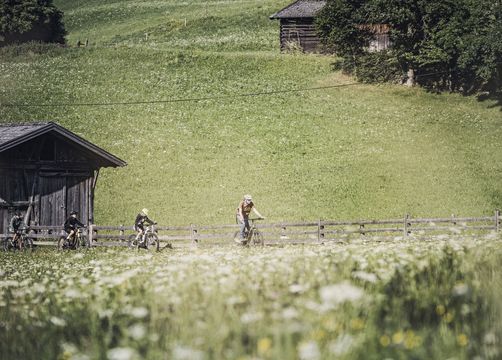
(357, 151)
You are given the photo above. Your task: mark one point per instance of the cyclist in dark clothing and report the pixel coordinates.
(72, 224)
(139, 224)
(16, 226)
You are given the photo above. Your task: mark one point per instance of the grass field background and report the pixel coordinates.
(355, 151)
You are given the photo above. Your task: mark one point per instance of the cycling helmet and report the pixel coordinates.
(73, 213)
(248, 197)
(145, 211)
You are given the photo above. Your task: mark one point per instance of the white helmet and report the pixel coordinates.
(248, 197)
(145, 211)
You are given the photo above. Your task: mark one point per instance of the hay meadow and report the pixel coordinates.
(199, 101)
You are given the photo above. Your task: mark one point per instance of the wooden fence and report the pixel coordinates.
(315, 232)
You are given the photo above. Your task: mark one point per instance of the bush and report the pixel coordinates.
(375, 67)
(30, 20)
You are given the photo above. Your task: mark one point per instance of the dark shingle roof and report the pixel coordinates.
(12, 135)
(300, 9)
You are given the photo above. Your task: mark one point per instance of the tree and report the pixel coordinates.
(30, 20)
(444, 44)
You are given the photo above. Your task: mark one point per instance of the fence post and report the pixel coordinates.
(121, 232)
(406, 231)
(193, 234)
(497, 220)
(90, 233)
(320, 231)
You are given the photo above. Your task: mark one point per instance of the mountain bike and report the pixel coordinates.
(149, 240)
(18, 242)
(73, 243)
(253, 236)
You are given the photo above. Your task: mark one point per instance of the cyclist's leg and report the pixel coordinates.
(71, 233)
(139, 235)
(244, 225)
(20, 241)
(16, 240)
(245, 229)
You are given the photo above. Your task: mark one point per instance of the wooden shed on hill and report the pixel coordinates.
(46, 171)
(297, 27)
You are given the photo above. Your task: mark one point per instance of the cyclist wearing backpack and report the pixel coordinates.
(72, 224)
(139, 224)
(242, 215)
(15, 227)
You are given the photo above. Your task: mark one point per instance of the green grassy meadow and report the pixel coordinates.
(342, 151)
(358, 151)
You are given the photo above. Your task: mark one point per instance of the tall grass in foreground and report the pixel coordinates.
(433, 299)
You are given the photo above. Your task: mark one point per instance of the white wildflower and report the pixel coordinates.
(139, 312)
(137, 331)
(342, 345)
(340, 293)
(187, 353)
(460, 289)
(289, 313)
(57, 321)
(365, 276)
(251, 317)
(72, 293)
(122, 353)
(297, 288)
(309, 351)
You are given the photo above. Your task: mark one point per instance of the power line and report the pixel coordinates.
(207, 98)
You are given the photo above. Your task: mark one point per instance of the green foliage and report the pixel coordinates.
(30, 20)
(338, 22)
(450, 45)
(377, 67)
(401, 299)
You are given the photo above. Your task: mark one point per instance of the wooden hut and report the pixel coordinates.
(46, 171)
(297, 27)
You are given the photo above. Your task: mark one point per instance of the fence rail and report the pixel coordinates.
(313, 232)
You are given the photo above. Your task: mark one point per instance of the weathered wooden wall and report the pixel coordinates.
(301, 32)
(48, 177)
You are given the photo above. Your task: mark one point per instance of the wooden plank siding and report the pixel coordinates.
(299, 33)
(46, 172)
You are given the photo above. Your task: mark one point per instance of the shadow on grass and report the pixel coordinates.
(496, 97)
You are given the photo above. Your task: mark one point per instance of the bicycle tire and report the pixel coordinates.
(75, 243)
(152, 242)
(132, 242)
(257, 239)
(62, 243)
(239, 241)
(7, 244)
(27, 244)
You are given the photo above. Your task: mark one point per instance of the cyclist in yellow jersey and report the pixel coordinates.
(242, 215)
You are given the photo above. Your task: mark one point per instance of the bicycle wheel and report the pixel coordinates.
(237, 237)
(62, 245)
(7, 244)
(257, 238)
(27, 243)
(132, 242)
(152, 242)
(75, 242)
